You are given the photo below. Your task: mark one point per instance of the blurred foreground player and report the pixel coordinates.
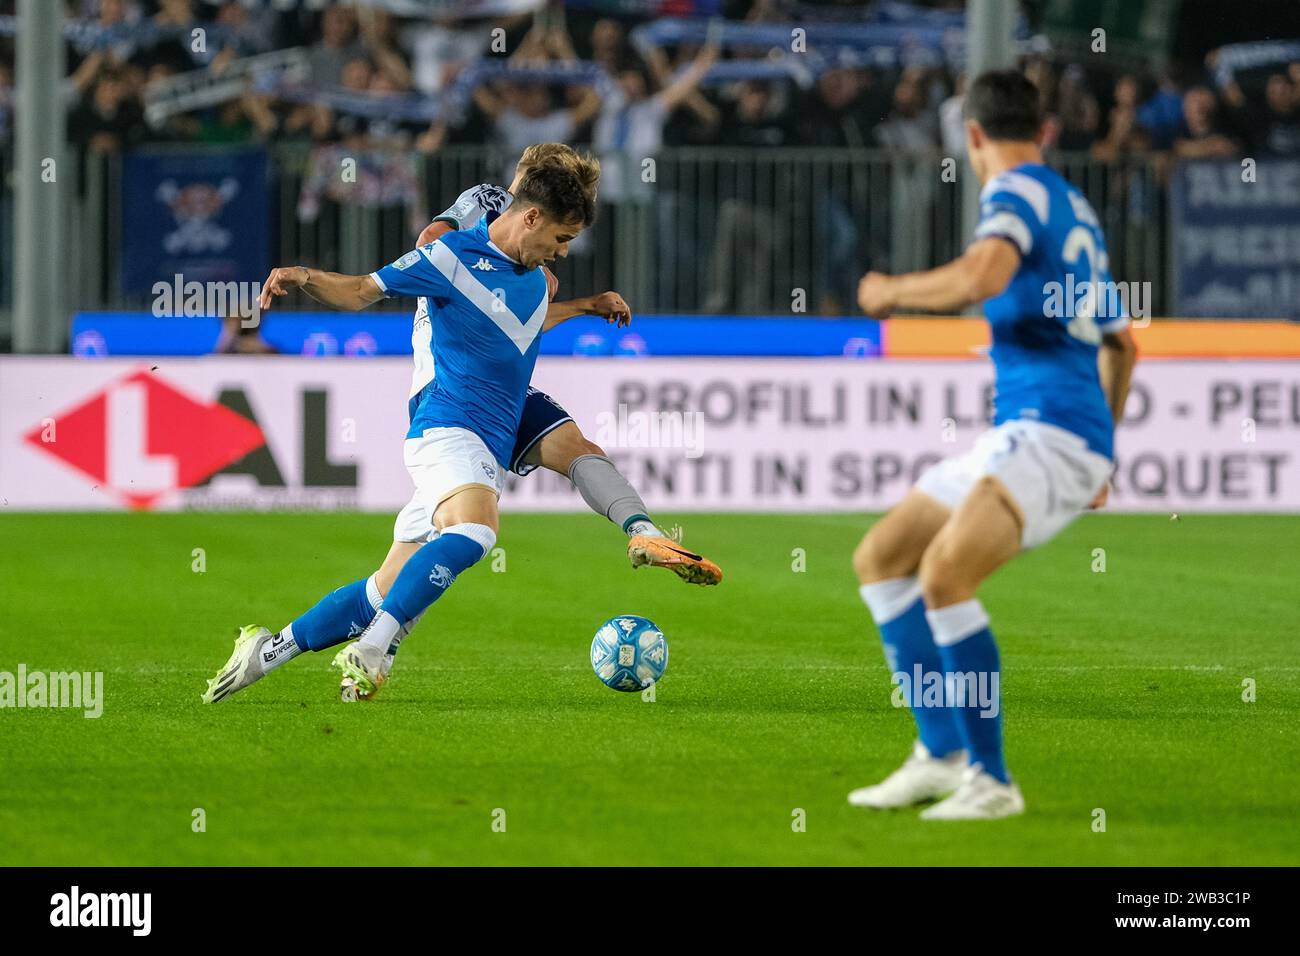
(1062, 381)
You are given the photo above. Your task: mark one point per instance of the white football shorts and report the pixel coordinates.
(442, 462)
(1051, 473)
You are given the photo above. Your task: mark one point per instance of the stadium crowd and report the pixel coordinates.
(355, 81)
(654, 97)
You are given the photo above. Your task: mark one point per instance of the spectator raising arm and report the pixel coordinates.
(532, 48)
(585, 110)
(85, 75)
(376, 32)
(555, 41)
(680, 90)
(691, 98)
(489, 101)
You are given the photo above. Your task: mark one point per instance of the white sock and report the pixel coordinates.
(644, 528)
(956, 622)
(372, 592)
(376, 601)
(381, 632)
(282, 648)
(889, 598)
(407, 628)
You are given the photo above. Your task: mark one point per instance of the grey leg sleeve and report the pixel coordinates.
(605, 490)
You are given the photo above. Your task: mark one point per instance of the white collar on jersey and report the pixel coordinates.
(498, 250)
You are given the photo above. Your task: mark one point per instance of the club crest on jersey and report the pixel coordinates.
(483, 265)
(488, 470)
(441, 576)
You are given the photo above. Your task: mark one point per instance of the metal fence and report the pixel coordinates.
(699, 230)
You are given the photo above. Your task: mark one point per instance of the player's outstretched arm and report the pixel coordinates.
(351, 293)
(981, 272)
(610, 305)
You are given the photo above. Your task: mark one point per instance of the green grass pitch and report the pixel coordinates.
(1122, 692)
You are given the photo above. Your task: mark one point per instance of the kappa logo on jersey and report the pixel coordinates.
(484, 265)
(141, 438)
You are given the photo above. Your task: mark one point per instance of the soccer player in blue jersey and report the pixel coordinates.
(1061, 387)
(488, 303)
(547, 436)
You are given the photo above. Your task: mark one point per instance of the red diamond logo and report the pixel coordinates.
(142, 438)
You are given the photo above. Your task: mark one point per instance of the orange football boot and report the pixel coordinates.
(666, 553)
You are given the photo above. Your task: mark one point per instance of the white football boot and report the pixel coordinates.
(920, 778)
(244, 666)
(981, 796)
(363, 670)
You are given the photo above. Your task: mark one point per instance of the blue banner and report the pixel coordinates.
(1237, 239)
(324, 334)
(204, 216)
(649, 8)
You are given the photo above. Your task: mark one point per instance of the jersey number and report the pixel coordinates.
(1081, 251)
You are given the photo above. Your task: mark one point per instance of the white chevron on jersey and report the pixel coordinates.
(493, 306)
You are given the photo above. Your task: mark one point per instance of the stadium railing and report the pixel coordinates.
(713, 230)
(6, 236)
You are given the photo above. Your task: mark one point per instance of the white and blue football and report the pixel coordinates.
(629, 653)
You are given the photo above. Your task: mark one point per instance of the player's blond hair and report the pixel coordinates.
(585, 166)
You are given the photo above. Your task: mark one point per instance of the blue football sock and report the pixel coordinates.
(899, 612)
(973, 670)
(337, 616)
(424, 578)
(428, 573)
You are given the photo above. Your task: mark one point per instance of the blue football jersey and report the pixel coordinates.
(486, 313)
(481, 203)
(1046, 326)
